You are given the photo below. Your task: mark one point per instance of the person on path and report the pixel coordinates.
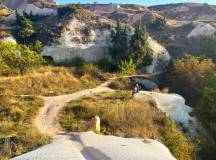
(136, 89)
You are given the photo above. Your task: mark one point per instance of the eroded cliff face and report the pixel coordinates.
(93, 46)
(75, 42)
(14, 4)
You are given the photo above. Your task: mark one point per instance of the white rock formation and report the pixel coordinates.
(9, 39)
(36, 11)
(161, 57)
(202, 29)
(91, 146)
(71, 45)
(174, 106)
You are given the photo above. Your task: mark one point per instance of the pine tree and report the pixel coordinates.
(139, 45)
(26, 29)
(119, 43)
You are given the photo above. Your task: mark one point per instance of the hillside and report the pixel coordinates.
(142, 78)
(14, 4)
(187, 11)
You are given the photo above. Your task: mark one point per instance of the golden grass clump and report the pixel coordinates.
(51, 81)
(17, 134)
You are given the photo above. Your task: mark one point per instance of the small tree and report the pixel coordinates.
(69, 9)
(19, 57)
(188, 76)
(26, 29)
(37, 46)
(139, 49)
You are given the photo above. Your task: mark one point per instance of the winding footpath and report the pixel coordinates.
(47, 123)
(87, 145)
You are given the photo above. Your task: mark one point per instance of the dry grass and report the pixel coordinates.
(17, 135)
(123, 116)
(52, 81)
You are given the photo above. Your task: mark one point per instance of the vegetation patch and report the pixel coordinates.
(17, 134)
(121, 115)
(53, 80)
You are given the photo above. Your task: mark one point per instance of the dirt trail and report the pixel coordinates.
(47, 119)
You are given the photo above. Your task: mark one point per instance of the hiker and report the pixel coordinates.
(136, 89)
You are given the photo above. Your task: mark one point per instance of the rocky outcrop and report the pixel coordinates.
(202, 30)
(174, 106)
(9, 39)
(15, 4)
(72, 44)
(187, 11)
(91, 146)
(36, 10)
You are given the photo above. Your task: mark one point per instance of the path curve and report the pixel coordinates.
(47, 119)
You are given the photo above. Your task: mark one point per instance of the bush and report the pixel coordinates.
(68, 9)
(188, 75)
(206, 113)
(105, 65)
(127, 67)
(53, 81)
(26, 28)
(18, 57)
(76, 62)
(3, 12)
(208, 47)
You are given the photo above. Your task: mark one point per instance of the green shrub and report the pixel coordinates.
(105, 64)
(127, 67)
(206, 113)
(18, 57)
(68, 9)
(208, 47)
(76, 62)
(188, 75)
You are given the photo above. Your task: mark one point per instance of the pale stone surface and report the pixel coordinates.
(91, 146)
(36, 11)
(9, 39)
(174, 106)
(59, 149)
(202, 29)
(161, 57)
(71, 46)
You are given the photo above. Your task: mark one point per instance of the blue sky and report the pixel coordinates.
(144, 2)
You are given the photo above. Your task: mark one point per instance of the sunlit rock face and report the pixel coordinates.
(161, 57)
(71, 45)
(9, 39)
(15, 4)
(174, 106)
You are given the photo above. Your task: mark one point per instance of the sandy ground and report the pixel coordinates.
(88, 145)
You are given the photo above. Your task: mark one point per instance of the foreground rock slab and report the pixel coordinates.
(91, 146)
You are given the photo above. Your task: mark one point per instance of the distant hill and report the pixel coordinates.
(14, 4)
(187, 11)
